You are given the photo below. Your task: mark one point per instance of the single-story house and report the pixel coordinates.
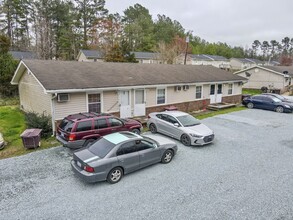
(243, 63)
(147, 57)
(23, 55)
(204, 59)
(60, 88)
(272, 77)
(90, 56)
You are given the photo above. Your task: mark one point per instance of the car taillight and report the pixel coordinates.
(72, 137)
(89, 169)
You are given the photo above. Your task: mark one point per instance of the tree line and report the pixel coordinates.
(58, 29)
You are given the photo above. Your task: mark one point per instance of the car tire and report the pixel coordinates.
(135, 131)
(250, 105)
(280, 109)
(88, 142)
(167, 156)
(115, 175)
(153, 128)
(185, 139)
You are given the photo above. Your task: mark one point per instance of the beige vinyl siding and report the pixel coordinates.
(32, 96)
(110, 101)
(77, 103)
(180, 96)
(151, 97)
(260, 78)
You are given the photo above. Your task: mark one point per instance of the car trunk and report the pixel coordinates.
(84, 157)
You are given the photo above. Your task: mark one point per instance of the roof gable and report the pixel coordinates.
(275, 69)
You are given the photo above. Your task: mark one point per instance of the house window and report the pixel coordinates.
(161, 96)
(94, 102)
(198, 92)
(230, 89)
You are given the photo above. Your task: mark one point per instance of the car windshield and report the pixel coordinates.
(276, 99)
(279, 97)
(188, 120)
(66, 125)
(101, 147)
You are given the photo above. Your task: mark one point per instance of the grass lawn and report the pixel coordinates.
(208, 114)
(12, 124)
(251, 91)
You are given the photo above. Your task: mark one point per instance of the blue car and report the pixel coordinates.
(267, 102)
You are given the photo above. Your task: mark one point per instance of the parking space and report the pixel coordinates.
(247, 173)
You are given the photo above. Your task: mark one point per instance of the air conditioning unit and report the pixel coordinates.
(185, 87)
(177, 88)
(63, 97)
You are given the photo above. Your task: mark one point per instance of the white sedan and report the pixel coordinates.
(181, 126)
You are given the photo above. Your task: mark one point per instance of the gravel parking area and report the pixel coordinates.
(246, 174)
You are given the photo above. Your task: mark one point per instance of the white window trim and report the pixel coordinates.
(165, 95)
(87, 100)
(201, 92)
(232, 88)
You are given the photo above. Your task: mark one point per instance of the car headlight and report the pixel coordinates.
(287, 106)
(196, 135)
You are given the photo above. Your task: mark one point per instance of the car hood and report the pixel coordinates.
(131, 121)
(200, 129)
(85, 156)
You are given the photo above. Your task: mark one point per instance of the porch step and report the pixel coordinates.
(219, 106)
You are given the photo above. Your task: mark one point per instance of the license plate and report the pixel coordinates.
(78, 163)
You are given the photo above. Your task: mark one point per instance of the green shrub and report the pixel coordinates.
(41, 121)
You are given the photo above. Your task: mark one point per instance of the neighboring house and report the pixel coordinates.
(204, 59)
(147, 57)
(272, 63)
(243, 63)
(90, 56)
(60, 88)
(23, 55)
(272, 77)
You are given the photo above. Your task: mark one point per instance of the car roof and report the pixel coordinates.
(174, 113)
(119, 137)
(85, 115)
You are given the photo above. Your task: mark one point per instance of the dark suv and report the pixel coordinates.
(80, 130)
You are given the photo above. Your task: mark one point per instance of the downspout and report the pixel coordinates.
(53, 114)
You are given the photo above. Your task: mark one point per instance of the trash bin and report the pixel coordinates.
(31, 138)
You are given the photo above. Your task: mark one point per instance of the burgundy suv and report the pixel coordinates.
(80, 130)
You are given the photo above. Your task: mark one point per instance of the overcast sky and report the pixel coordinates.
(236, 22)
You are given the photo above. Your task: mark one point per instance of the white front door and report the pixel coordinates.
(125, 109)
(212, 94)
(216, 93)
(219, 94)
(139, 102)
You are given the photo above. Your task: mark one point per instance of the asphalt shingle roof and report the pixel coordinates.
(93, 54)
(58, 75)
(19, 55)
(145, 55)
(281, 69)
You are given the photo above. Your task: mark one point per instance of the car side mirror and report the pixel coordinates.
(176, 125)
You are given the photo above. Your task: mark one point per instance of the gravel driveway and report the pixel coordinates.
(246, 174)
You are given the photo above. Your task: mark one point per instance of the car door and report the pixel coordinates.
(101, 127)
(148, 153)
(268, 103)
(163, 124)
(257, 101)
(116, 125)
(174, 128)
(128, 157)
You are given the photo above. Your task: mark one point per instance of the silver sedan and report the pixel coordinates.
(114, 155)
(181, 126)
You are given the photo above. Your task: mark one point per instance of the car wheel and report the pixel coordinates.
(167, 156)
(115, 175)
(185, 139)
(250, 105)
(135, 131)
(88, 142)
(153, 128)
(280, 109)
